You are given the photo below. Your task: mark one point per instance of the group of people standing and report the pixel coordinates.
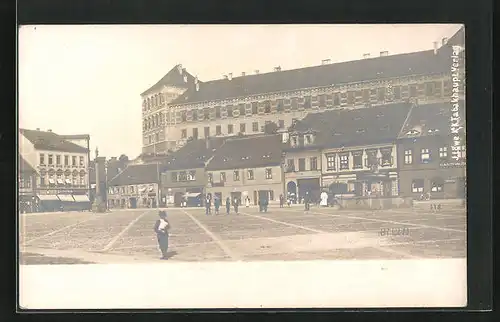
(217, 204)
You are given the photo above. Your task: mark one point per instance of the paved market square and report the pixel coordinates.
(126, 236)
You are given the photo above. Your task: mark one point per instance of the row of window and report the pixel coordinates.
(153, 138)
(153, 121)
(130, 189)
(378, 95)
(372, 160)
(250, 175)
(417, 186)
(157, 100)
(58, 158)
(313, 164)
(230, 129)
(60, 181)
(426, 155)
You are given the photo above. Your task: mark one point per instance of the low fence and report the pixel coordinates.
(375, 202)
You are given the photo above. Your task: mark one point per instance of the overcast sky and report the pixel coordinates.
(88, 79)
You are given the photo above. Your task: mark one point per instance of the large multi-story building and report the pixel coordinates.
(63, 166)
(243, 104)
(157, 115)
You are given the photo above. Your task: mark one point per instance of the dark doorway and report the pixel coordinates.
(309, 186)
(236, 195)
(358, 189)
(264, 195)
(178, 199)
(291, 187)
(133, 203)
(338, 188)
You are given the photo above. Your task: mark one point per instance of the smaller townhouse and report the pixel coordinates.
(137, 186)
(27, 176)
(183, 177)
(432, 152)
(302, 166)
(360, 151)
(249, 166)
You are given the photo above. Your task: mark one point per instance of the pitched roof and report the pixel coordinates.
(363, 126)
(194, 154)
(172, 78)
(431, 119)
(51, 141)
(136, 174)
(24, 166)
(458, 39)
(418, 63)
(248, 152)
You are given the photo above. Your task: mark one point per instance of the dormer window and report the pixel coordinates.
(432, 131)
(413, 132)
(308, 138)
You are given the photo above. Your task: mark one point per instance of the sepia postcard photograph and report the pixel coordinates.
(242, 166)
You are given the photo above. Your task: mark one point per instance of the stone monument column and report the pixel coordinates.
(99, 204)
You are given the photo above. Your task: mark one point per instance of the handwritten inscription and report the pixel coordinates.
(402, 231)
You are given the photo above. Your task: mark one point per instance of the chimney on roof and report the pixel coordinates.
(185, 78)
(197, 87)
(230, 76)
(277, 69)
(196, 80)
(49, 130)
(384, 53)
(435, 47)
(256, 71)
(179, 68)
(243, 73)
(444, 41)
(225, 76)
(325, 61)
(367, 55)
(38, 129)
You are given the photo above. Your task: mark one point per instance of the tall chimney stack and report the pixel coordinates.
(243, 73)
(230, 76)
(225, 76)
(384, 53)
(444, 41)
(435, 47)
(367, 55)
(49, 130)
(256, 71)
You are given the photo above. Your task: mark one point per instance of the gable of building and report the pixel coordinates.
(433, 119)
(24, 167)
(51, 141)
(175, 77)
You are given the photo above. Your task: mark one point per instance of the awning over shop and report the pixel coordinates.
(81, 198)
(191, 194)
(68, 198)
(48, 197)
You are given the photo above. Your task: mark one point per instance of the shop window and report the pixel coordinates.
(437, 185)
(255, 126)
(417, 185)
(330, 162)
(183, 133)
(443, 153)
(230, 129)
(408, 157)
(425, 156)
(344, 162)
(313, 163)
(243, 127)
(218, 130)
(302, 164)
